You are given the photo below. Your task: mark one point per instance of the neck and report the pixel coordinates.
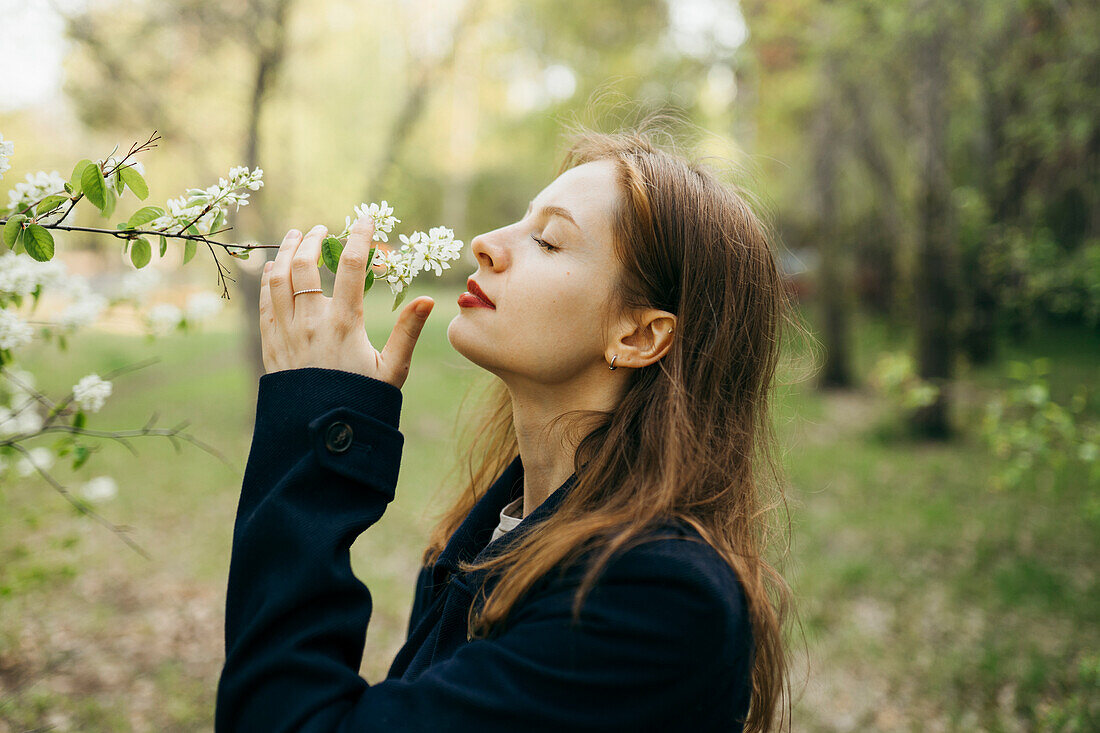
(547, 451)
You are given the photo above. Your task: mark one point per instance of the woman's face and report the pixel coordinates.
(550, 304)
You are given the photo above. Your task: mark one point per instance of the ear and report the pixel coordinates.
(642, 339)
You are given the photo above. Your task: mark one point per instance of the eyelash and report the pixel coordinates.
(544, 244)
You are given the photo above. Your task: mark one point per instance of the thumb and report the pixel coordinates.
(399, 347)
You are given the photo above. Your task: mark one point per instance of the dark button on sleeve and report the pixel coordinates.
(338, 437)
(359, 447)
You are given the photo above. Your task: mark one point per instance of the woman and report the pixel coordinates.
(604, 569)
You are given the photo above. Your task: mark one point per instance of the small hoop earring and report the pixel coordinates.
(613, 358)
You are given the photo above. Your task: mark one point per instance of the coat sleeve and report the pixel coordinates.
(659, 643)
(322, 467)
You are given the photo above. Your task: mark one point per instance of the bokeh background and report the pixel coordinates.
(931, 170)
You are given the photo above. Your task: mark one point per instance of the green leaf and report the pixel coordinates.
(193, 230)
(39, 243)
(189, 250)
(80, 456)
(50, 203)
(79, 419)
(400, 297)
(219, 220)
(370, 271)
(135, 182)
(93, 185)
(163, 245)
(111, 202)
(331, 248)
(13, 229)
(76, 179)
(144, 215)
(141, 252)
(120, 185)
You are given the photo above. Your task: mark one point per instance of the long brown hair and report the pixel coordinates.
(692, 437)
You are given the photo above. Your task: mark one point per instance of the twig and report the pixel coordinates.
(82, 506)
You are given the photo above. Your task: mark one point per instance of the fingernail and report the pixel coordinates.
(268, 265)
(293, 233)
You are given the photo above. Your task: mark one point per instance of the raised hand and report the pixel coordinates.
(311, 330)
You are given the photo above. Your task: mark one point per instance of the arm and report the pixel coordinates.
(296, 615)
(655, 645)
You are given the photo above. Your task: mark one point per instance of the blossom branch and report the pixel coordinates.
(83, 507)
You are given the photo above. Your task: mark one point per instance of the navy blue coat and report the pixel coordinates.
(663, 643)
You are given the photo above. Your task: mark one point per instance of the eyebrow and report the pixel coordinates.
(556, 211)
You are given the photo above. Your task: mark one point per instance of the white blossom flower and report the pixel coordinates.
(7, 149)
(84, 311)
(421, 252)
(201, 306)
(36, 187)
(22, 416)
(136, 284)
(27, 420)
(41, 457)
(383, 218)
(53, 274)
(181, 212)
(100, 488)
(14, 331)
(398, 271)
(91, 392)
(19, 378)
(17, 275)
(163, 317)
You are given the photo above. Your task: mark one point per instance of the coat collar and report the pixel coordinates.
(470, 541)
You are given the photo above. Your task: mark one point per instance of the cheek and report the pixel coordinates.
(565, 306)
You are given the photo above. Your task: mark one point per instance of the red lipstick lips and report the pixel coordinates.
(475, 297)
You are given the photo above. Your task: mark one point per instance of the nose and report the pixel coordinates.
(489, 251)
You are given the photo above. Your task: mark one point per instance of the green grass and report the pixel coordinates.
(928, 599)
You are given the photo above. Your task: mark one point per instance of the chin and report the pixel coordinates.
(470, 345)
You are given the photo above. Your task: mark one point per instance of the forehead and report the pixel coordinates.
(590, 192)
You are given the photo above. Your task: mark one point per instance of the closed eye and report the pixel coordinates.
(544, 244)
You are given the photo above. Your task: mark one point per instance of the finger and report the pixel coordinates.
(281, 295)
(351, 272)
(304, 274)
(399, 347)
(269, 329)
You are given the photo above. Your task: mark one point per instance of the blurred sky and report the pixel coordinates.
(31, 54)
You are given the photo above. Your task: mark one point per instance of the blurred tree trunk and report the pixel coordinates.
(404, 123)
(835, 288)
(270, 44)
(936, 261)
(885, 228)
(978, 339)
